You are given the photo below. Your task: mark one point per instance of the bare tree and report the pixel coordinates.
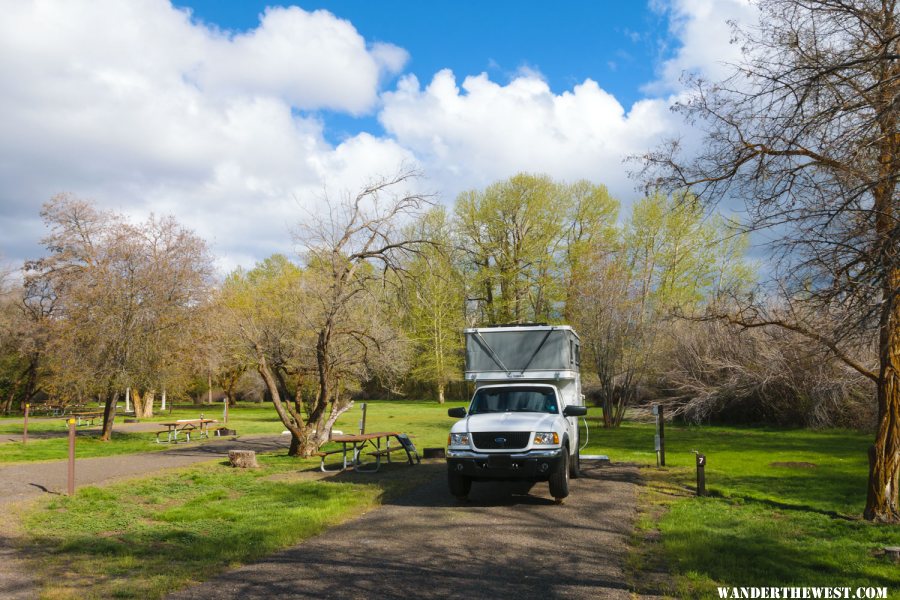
(769, 375)
(333, 308)
(124, 296)
(806, 132)
(606, 310)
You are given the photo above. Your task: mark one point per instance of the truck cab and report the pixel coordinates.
(522, 421)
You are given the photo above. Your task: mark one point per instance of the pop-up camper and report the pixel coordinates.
(522, 422)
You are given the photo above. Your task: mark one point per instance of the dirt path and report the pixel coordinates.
(506, 542)
(24, 481)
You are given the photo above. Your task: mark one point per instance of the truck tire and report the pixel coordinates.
(460, 485)
(559, 479)
(575, 464)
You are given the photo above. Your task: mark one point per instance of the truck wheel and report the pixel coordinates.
(460, 485)
(575, 465)
(559, 480)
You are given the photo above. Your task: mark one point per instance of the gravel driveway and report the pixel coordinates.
(506, 542)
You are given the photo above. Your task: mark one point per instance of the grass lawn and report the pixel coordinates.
(427, 421)
(764, 524)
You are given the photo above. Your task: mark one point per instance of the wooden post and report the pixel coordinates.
(71, 487)
(128, 399)
(163, 406)
(25, 426)
(225, 409)
(662, 436)
(362, 421)
(701, 474)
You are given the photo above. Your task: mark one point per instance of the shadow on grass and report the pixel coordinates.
(753, 545)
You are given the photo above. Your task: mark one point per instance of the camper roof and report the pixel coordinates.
(522, 327)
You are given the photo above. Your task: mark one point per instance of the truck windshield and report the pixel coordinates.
(520, 399)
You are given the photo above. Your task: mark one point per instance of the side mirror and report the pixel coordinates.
(574, 411)
(457, 413)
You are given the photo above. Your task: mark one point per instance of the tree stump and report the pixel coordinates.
(892, 553)
(243, 459)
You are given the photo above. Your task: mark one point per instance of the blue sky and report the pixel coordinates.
(618, 44)
(237, 117)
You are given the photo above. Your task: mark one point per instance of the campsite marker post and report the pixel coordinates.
(701, 473)
(25, 427)
(71, 487)
(362, 421)
(660, 441)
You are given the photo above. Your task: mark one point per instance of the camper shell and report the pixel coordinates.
(522, 422)
(533, 353)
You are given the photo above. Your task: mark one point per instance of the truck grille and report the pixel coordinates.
(514, 440)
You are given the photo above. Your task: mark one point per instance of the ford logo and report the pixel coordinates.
(500, 440)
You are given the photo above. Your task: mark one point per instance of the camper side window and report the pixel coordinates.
(577, 355)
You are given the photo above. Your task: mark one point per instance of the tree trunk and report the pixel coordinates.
(143, 403)
(109, 415)
(8, 402)
(441, 393)
(884, 454)
(306, 437)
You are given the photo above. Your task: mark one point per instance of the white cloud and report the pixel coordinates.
(482, 131)
(704, 35)
(136, 106)
(310, 59)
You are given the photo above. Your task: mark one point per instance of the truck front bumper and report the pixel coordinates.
(535, 465)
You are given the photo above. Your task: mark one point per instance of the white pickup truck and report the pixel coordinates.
(522, 422)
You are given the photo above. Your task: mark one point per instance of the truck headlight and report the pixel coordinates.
(458, 439)
(546, 438)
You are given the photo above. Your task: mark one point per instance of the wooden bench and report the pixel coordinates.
(172, 435)
(322, 454)
(406, 445)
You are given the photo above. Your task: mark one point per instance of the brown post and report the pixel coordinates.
(362, 421)
(662, 436)
(225, 418)
(71, 457)
(25, 427)
(701, 474)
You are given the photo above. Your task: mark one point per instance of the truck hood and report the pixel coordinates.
(508, 421)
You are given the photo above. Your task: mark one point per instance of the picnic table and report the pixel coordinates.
(186, 427)
(86, 417)
(357, 445)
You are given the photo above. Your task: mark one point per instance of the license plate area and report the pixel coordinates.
(499, 461)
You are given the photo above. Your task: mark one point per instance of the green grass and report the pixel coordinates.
(763, 524)
(427, 421)
(85, 447)
(147, 537)
(245, 420)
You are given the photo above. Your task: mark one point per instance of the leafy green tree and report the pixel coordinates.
(669, 259)
(524, 238)
(435, 300)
